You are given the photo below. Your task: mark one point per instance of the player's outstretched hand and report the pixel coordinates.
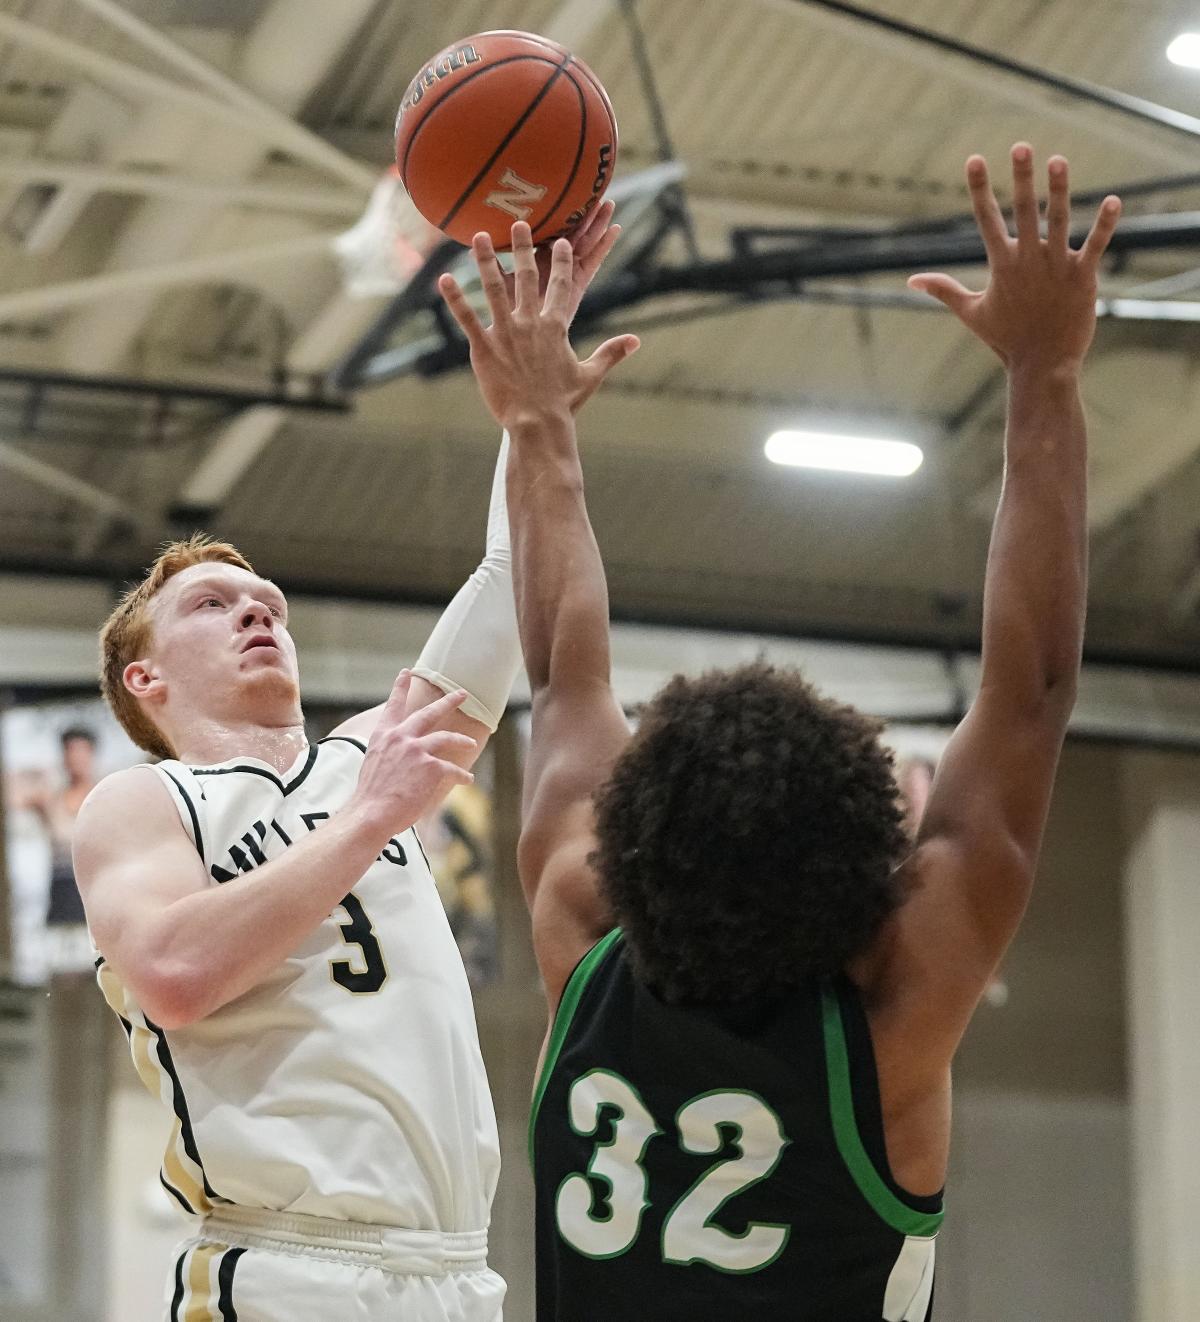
(524, 361)
(1040, 303)
(409, 764)
(591, 243)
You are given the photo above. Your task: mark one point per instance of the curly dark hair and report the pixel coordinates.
(748, 837)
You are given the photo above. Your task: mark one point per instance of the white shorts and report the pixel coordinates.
(251, 1266)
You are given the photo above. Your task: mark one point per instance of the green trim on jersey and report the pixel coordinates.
(562, 1020)
(907, 1220)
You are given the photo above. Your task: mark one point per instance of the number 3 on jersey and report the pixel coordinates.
(688, 1234)
(359, 932)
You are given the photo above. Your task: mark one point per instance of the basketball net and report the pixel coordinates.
(382, 252)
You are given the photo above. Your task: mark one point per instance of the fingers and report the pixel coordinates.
(559, 286)
(593, 229)
(988, 215)
(499, 303)
(1058, 208)
(398, 698)
(461, 310)
(606, 357)
(435, 714)
(525, 269)
(449, 744)
(1025, 205)
(946, 290)
(453, 772)
(592, 262)
(1101, 232)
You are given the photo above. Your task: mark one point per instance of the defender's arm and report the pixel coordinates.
(474, 645)
(579, 728)
(978, 843)
(533, 384)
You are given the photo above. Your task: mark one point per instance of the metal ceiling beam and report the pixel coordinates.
(272, 120)
(48, 382)
(154, 183)
(188, 271)
(74, 488)
(791, 271)
(1138, 125)
(125, 78)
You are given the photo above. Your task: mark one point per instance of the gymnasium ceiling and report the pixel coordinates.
(115, 157)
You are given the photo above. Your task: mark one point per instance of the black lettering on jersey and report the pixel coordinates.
(310, 819)
(280, 832)
(393, 851)
(243, 860)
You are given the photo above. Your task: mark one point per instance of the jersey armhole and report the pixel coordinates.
(907, 1220)
(567, 1006)
(185, 799)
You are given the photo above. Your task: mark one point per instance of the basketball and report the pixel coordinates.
(501, 127)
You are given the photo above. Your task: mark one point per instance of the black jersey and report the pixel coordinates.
(700, 1163)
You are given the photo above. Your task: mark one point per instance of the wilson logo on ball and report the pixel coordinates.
(599, 184)
(429, 76)
(515, 195)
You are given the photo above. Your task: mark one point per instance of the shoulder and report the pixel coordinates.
(133, 797)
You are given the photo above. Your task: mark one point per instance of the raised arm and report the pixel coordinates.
(979, 840)
(474, 645)
(533, 383)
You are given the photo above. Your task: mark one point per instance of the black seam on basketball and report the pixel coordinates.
(533, 229)
(603, 95)
(470, 78)
(508, 137)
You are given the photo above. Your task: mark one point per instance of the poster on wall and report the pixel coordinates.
(52, 754)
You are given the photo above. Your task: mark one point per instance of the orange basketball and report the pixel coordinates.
(501, 127)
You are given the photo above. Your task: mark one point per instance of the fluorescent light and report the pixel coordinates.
(844, 454)
(1185, 50)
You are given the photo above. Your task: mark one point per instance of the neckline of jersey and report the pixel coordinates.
(287, 780)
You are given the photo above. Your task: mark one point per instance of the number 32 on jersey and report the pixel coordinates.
(600, 1213)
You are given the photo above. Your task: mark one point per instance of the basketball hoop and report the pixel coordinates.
(382, 252)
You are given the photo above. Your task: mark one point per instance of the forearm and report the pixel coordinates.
(561, 592)
(1036, 588)
(474, 645)
(213, 945)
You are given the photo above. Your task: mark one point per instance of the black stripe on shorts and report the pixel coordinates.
(225, 1284)
(178, 1296)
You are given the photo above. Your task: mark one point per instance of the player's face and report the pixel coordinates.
(220, 642)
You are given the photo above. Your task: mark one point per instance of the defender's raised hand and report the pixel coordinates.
(523, 361)
(1040, 302)
(591, 243)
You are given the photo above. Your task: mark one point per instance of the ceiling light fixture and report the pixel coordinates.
(1185, 50)
(844, 454)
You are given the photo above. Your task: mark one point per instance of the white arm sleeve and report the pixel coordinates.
(475, 645)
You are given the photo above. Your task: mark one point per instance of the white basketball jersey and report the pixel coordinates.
(348, 1084)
